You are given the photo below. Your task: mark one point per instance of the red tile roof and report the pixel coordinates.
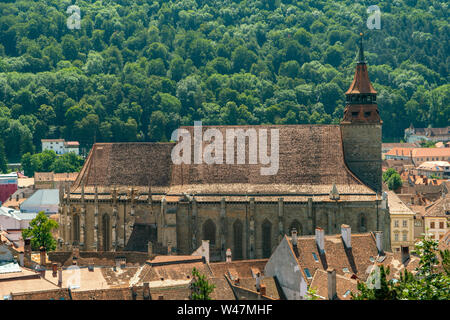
(431, 152)
(404, 152)
(345, 261)
(344, 285)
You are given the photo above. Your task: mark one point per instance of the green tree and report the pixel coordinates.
(68, 162)
(40, 232)
(200, 287)
(394, 182)
(27, 165)
(388, 173)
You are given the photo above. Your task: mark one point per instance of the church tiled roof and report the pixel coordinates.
(311, 160)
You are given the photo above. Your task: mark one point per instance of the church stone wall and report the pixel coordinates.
(180, 224)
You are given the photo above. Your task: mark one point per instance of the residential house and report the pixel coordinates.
(437, 217)
(402, 223)
(46, 200)
(399, 154)
(427, 134)
(11, 219)
(60, 146)
(8, 185)
(439, 169)
(386, 147)
(297, 258)
(51, 180)
(421, 155)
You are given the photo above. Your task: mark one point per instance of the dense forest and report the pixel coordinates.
(137, 69)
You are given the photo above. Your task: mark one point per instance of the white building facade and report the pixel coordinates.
(60, 146)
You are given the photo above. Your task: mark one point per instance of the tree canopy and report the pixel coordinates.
(135, 70)
(200, 287)
(48, 161)
(40, 232)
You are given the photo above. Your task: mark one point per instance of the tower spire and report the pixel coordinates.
(361, 49)
(361, 106)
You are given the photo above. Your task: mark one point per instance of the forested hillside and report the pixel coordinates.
(137, 69)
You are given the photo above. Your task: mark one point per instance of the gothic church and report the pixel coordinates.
(130, 196)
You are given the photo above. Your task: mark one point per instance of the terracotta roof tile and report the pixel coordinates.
(344, 285)
(345, 261)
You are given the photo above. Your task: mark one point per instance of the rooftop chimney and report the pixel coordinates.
(27, 248)
(43, 257)
(294, 237)
(262, 290)
(133, 293)
(258, 281)
(146, 291)
(405, 253)
(320, 239)
(76, 252)
(331, 284)
(379, 241)
(54, 270)
(346, 233)
(60, 280)
(228, 255)
(21, 262)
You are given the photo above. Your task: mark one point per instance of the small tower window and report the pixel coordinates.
(355, 114)
(367, 114)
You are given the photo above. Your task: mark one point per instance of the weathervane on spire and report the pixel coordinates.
(361, 49)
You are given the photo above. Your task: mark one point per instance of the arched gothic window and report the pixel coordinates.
(106, 226)
(76, 228)
(266, 238)
(362, 222)
(209, 232)
(237, 237)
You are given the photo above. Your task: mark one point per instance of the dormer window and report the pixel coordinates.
(367, 114)
(355, 114)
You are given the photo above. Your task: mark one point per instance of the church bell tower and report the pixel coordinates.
(361, 127)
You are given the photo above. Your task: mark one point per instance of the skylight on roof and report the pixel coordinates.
(346, 293)
(315, 257)
(308, 274)
(372, 259)
(345, 270)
